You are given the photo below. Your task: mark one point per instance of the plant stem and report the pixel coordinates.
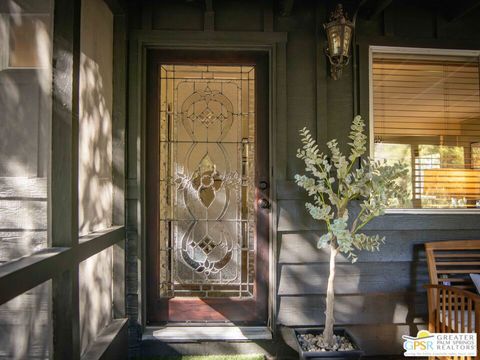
(365, 223)
(329, 319)
(354, 225)
(327, 178)
(348, 172)
(327, 221)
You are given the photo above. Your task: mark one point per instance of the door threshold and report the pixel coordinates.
(206, 333)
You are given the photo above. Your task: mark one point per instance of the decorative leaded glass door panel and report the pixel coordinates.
(207, 154)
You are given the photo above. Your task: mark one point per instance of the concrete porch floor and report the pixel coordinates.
(272, 349)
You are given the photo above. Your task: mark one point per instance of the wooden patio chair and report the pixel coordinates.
(453, 301)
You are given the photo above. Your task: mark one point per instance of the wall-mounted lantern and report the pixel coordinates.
(339, 35)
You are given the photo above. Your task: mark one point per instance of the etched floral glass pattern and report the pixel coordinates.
(207, 170)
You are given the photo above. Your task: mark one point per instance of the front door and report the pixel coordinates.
(207, 187)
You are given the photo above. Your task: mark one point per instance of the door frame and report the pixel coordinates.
(274, 43)
(164, 310)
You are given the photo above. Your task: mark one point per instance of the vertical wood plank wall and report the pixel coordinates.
(380, 297)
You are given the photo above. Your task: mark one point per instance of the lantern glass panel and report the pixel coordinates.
(334, 40)
(346, 40)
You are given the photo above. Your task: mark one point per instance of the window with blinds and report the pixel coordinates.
(426, 113)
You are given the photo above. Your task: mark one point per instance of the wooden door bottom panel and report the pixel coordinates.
(210, 310)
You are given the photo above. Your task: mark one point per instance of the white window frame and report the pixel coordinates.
(420, 51)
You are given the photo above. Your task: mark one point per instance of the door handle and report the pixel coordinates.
(263, 185)
(264, 203)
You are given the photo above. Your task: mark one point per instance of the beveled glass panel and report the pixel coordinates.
(207, 170)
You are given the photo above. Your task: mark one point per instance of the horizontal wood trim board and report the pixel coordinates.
(292, 216)
(98, 241)
(358, 278)
(22, 187)
(111, 342)
(289, 190)
(23, 214)
(17, 243)
(217, 37)
(392, 308)
(425, 42)
(405, 245)
(16, 276)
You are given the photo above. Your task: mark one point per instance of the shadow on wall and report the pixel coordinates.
(25, 325)
(95, 148)
(95, 296)
(95, 186)
(95, 198)
(25, 113)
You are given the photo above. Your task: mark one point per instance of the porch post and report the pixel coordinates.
(63, 177)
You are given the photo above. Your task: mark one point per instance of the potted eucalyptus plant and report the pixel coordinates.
(337, 184)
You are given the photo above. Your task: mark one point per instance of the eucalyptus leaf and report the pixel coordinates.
(334, 180)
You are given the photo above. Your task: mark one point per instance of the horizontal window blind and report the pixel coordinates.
(431, 106)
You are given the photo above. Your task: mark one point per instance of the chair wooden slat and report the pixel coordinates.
(436, 310)
(455, 311)
(462, 313)
(456, 255)
(458, 263)
(454, 305)
(457, 271)
(444, 309)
